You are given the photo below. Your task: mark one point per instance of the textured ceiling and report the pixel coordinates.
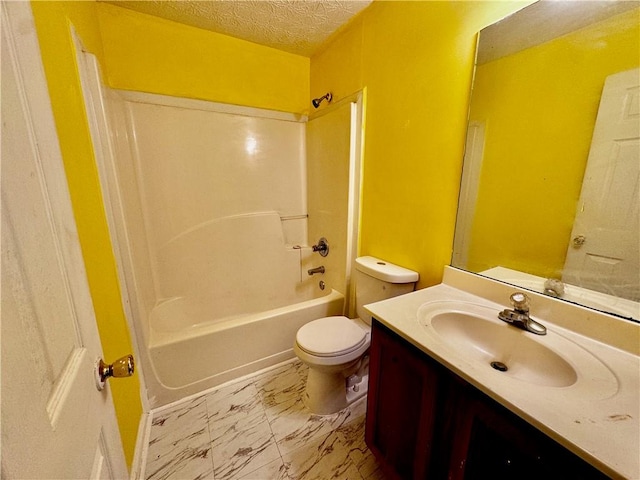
(295, 26)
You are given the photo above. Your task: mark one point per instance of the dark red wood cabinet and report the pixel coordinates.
(423, 421)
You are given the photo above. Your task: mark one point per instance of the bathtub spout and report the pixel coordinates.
(316, 270)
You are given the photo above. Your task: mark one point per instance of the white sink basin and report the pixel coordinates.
(478, 337)
(504, 346)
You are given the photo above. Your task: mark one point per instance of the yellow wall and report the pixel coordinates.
(149, 54)
(58, 54)
(416, 61)
(540, 126)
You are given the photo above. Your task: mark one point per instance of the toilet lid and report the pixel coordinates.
(330, 336)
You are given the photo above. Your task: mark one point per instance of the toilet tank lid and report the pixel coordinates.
(385, 271)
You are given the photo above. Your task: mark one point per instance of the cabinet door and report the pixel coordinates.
(488, 441)
(486, 444)
(401, 406)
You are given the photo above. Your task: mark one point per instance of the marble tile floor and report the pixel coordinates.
(258, 428)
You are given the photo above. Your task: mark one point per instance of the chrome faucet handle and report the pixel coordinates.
(322, 247)
(520, 302)
(519, 316)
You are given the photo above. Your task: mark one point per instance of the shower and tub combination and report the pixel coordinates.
(214, 212)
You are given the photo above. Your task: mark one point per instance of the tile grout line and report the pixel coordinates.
(273, 435)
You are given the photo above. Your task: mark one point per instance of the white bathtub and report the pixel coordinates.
(206, 354)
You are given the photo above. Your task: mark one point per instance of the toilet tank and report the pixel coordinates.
(378, 280)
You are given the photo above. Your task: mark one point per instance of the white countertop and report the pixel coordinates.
(600, 422)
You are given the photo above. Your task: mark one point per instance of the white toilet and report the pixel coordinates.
(334, 348)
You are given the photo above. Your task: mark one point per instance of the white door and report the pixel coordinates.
(604, 252)
(55, 422)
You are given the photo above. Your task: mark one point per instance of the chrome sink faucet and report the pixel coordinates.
(519, 316)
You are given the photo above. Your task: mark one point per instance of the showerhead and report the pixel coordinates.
(317, 101)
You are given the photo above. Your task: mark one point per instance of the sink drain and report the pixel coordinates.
(501, 367)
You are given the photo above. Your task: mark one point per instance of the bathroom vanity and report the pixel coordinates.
(566, 406)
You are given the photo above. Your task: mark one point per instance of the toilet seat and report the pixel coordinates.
(331, 337)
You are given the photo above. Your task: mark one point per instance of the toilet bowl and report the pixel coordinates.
(335, 348)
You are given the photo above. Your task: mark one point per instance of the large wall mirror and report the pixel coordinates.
(550, 191)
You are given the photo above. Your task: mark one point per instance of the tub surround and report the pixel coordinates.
(600, 425)
(213, 258)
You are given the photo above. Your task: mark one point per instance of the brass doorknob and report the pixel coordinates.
(123, 367)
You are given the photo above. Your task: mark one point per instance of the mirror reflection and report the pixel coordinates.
(550, 190)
